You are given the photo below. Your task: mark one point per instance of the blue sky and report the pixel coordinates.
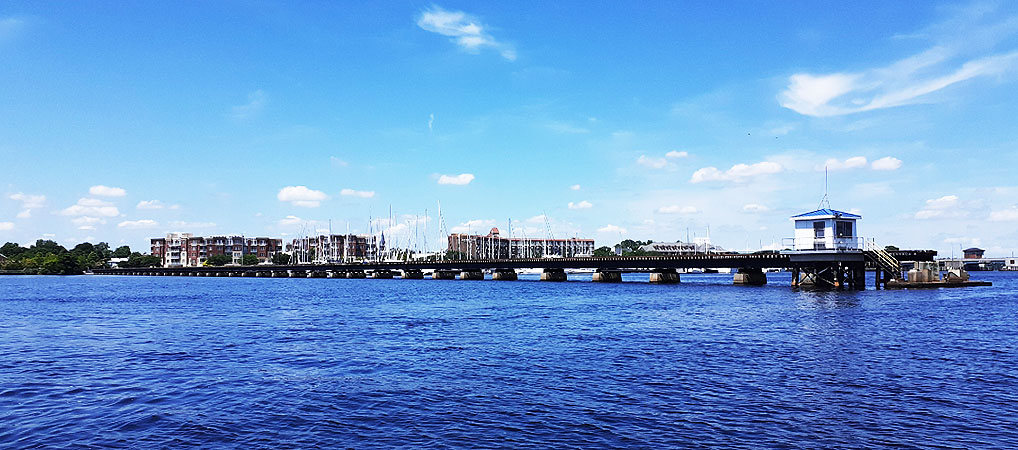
(121, 122)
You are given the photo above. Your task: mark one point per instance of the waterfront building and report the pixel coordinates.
(826, 229)
(494, 246)
(973, 253)
(335, 248)
(701, 245)
(187, 250)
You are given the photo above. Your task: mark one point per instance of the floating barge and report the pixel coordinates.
(897, 284)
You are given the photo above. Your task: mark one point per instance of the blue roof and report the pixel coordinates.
(829, 212)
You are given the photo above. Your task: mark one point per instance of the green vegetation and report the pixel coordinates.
(138, 260)
(280, 258)
(604, 251)
(49, 258)
(122, 252)
(891, 248)
(632, 248)
(249, 260)
(218, 260)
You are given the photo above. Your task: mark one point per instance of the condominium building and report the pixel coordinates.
(187, 250)
(335, 248)
(493, 246)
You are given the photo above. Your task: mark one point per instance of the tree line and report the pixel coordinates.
(47, 257)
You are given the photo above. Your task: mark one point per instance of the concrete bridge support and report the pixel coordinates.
(263, 274)
(750, 277)
(358, 274)
(471, 275)
(280, 274)
(318, 274)
(298, 274)
(664, 276)
(443, 275)
(336, 274)
(412, 274)
(381, 274)
(607, 276)
(505, 275)
(554, 275)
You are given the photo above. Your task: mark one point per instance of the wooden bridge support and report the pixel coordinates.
(664, 276)
(607, 276)
(830, 276)
(505, 275)
(443, 275)
(412, 274)
(750, 277)
(554, 275)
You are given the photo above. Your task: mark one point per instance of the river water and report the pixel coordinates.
(168, 362)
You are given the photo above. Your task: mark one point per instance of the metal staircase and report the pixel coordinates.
(883, 261)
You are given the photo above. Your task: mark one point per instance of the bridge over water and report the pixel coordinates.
(829, 269)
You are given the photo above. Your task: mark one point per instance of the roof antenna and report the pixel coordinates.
(825, 199)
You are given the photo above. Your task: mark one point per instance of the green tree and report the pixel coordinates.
(281, 258)
(604, 251)
(218, 260)
(249, 260)
(12, 250)
(122, 252)
(891, 248)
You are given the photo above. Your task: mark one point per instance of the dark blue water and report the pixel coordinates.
(168, 362)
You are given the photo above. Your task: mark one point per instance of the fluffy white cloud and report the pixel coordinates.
(87, 228)
(738, 173)
(354, 193)
(653, 163)
(575, 187)
(754, 208)
(24, 214)
(476, 226)
(155, 204)
(941, 208)
(106, 191)
(461, 179)
(676, 209)
(1005, 215)
(86, 220)
(855, 162)
(887, 163)
(6, 226)
(676, 154)
(290, 221)
(465, 30)
(91, 207)
(301, 196)
(611, 229)
(581, 205)
(29, 201)
(137, 224)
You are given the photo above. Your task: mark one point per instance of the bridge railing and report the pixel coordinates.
(830, 243)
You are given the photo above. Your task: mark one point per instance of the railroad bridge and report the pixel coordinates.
(838, 270)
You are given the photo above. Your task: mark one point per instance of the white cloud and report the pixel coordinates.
(653, 163)
(87, 228)
(581, 205)
(336, 162)
(6, 226)
(738, 173)
(182, 225)
(565, 128)
(86, 220)
(106, 191)
(24, 214)
(536, 219)
(611, 229)
(476, 226)
(465, 30)
(1005, 215)
(431, 121)
(941, 208)
(834, 165)
(11, 27)
(155, 204)
(903, 82)
(676, 154)
(137, 224)
(754, 208)
(353, 193)
(676, 209)
(91, 207)
(290, 221)
(461, 179)
(575, 187)
(255, 104)
(886, 163)
(301, 196)
(29, 201)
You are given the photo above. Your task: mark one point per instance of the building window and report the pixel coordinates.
(843, 229)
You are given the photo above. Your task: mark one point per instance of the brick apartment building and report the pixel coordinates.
(187, 250)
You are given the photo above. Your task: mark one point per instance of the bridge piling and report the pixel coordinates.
(607, 276)
(554, 275)
(664, 276)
